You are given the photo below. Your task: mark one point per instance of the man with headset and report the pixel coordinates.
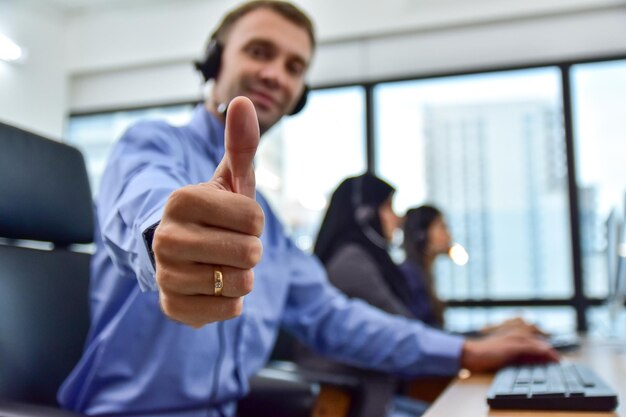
(188, 194)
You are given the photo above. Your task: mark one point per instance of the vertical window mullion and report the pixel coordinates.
(579, 300)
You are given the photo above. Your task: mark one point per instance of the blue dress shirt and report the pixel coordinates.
(138, 361)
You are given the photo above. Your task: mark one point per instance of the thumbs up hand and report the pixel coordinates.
(208, 240)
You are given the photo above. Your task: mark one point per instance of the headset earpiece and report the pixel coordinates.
(420, 237)
(363, 214)
(209, 66)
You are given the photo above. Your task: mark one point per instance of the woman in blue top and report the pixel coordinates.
(426, 236)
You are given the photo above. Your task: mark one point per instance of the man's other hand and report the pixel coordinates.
(493, 352)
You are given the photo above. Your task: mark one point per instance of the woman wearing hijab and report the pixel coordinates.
(353, 241)
(352, 244)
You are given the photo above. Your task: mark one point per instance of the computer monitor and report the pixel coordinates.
(620, 273)
(613, 239)
(616, 259)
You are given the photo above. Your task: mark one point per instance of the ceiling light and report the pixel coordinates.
(9, 50)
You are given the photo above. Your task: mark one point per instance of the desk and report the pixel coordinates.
(467, 397)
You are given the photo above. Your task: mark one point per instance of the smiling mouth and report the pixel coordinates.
(263, 100)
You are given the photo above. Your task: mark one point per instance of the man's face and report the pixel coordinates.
(265, 57)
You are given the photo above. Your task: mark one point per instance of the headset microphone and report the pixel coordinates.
(222, 108)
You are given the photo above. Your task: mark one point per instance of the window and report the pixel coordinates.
(489, 150)
(557, 320)
(599, 100)
(95, 134)
(302, 159)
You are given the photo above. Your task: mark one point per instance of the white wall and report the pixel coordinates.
(33, 93)
(121, 56)
(136, 56)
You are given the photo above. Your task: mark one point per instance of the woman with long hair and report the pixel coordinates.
(426, 236)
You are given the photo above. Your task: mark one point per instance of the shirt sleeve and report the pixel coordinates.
(353, 332)
(146, 165)
(356, 274)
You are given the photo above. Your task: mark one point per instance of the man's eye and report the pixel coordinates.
(258, 52)
(295, 68)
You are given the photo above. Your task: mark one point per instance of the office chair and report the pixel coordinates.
(45, 207)
(311, 391)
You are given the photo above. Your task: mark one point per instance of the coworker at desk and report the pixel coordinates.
(177, 336)
(353, 243)
(426, 236)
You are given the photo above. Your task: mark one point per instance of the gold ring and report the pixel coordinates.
(219, 282)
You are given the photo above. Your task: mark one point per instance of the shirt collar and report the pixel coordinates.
(210, 132)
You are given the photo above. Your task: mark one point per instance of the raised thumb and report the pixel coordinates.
(236, 171)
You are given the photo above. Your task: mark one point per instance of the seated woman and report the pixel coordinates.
(426, 236)
(353, 240)
(352, 244)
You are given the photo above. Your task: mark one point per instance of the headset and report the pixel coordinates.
(420, 237)
(209, 67)
(364, 213)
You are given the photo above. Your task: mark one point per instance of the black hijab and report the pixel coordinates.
(352, 218)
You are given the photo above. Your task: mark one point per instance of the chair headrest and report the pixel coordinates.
(44, 190)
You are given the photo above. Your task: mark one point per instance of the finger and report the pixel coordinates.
(214, 207)
(537, 350)
(236, 172)
(198, 310)
(516, 321)
(199, 279)
(537, 331)
(207, 245)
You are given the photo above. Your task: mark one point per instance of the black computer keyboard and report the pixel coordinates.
(554, 386)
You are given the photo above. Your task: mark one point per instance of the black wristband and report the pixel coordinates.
(148, 235)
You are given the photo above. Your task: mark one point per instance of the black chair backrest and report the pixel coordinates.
(44, 313)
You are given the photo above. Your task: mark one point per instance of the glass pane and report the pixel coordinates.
(302, 159)
(607, 323)
(557, 320)
(489, 151)
(95, 134)
(599, 102)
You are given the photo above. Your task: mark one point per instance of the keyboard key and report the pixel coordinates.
(585, 376)
(515, 392)
(524, 375)
(539, 374)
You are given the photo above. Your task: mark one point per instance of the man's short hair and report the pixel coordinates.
(283, 8)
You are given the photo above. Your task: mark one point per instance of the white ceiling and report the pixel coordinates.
(76, 6)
